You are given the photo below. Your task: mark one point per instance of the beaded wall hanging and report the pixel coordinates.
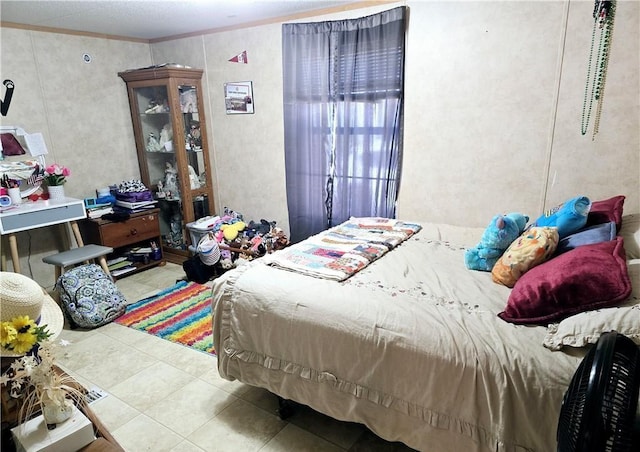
(603, 15)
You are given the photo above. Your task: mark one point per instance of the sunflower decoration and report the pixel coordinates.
(21, 334)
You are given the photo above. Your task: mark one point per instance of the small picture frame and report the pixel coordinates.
(238, 98)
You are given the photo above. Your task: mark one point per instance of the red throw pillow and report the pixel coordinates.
(606, 211)
(585, 278)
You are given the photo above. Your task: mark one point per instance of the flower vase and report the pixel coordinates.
(16, 197)
(56, 192)
(55, 413)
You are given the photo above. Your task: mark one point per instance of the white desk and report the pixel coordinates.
(32, 215)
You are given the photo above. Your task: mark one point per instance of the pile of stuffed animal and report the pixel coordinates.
(508, 248)
(240, 241)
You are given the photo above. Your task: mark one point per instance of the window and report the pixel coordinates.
(343, 103)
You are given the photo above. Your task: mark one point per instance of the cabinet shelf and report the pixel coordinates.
(139, 266)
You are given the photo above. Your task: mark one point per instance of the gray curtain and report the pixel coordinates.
(343, 110)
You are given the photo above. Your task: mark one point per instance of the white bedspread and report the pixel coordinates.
(411, 346)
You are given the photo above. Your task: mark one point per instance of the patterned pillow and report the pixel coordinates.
(585, 278)
(532, 248)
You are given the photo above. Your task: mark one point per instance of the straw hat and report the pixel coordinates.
(20, 295)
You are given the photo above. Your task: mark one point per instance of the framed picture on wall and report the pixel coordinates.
(238, 98)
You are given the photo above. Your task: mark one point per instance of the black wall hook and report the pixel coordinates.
(4, 103)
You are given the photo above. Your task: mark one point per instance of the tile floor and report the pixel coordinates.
(166, 397)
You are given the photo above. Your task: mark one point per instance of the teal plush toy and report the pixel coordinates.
(502, 230)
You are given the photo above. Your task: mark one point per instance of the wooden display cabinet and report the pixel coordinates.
(171, 140)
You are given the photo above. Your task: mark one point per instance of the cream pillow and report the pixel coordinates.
(586, 327)
(630, 232)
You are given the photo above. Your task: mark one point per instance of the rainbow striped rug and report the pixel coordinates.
(181, 314)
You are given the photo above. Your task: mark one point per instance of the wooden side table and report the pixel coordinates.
(139, 230)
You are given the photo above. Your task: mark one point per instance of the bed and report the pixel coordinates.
(411, 345)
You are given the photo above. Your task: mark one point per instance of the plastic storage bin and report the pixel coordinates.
(199, 228)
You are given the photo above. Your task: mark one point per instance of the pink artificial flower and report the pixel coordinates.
(56, 174)
(58, 170)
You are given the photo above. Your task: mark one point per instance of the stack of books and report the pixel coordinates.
(133, 207)
(120, 266)
(97, 212)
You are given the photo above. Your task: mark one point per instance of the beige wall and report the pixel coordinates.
(82, 111)
(494, 101)
(494, 95)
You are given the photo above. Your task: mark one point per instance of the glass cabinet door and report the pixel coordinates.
(157, 134)
(196, 161)
(192, 136)
(160, 161)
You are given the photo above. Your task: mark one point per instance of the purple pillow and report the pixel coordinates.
(585, 278)
(606, 210)
(587, 236)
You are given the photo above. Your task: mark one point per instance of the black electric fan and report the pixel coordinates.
(598, 412)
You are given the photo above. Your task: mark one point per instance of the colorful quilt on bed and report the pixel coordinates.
(344, 250)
